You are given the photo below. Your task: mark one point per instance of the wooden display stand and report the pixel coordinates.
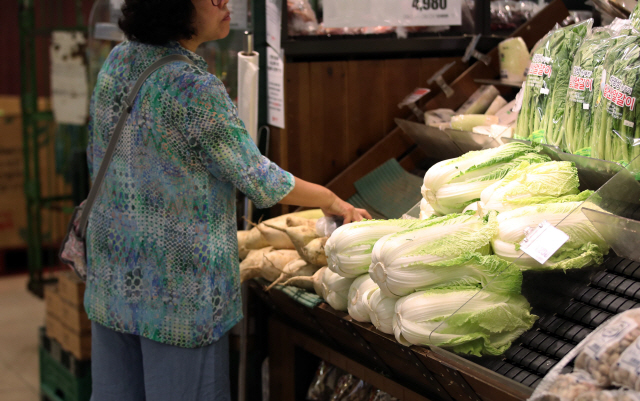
(409, 373)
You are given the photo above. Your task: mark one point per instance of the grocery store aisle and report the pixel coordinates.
(21, 313)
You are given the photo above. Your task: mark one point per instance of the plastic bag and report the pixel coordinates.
(609, 395)
(379, 395)
(567, 387)
(616, 134)
(302, 18)
(325, 226)
(324, 382)
(592, 356)
(604, 349)
(626, 370)
(359, 391)
(542, 113)
(344, 386)
(583, 87)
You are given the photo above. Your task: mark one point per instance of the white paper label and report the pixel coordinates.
(612, 333)
(115, 11)
(362, 13)
(274, 23)
(543, 242)
(628, 123)
(585, 106)
(416, 95)
(275, 90)
(544, 91)
(69, 87)
(238, 10)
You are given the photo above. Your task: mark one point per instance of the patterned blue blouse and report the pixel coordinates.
(161, 240)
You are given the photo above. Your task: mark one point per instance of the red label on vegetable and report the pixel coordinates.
(580, 84)
(619, 98)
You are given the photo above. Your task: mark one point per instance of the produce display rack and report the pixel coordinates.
(437, 374)
(332, 334)
(614, 288)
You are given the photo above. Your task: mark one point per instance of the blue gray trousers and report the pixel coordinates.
(127, 367)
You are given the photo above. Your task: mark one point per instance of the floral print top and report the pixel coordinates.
(161, 239)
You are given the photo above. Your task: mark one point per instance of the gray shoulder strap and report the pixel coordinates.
(108, 155)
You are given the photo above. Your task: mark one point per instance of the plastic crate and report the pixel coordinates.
(58, 383)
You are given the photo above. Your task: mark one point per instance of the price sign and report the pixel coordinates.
(364, 13)
(426, 5)
(543, 241)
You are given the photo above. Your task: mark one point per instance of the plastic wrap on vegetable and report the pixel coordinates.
(608, 395)
(606, 346)
(379, 395)
(344, 386)
(626, 370)
(324, 382)
(541, 116)
(568, 386)
(583, 86)
(302, 18)
(628, 396)
(616, 134)
(359, 391)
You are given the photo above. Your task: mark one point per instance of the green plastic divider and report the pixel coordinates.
(389, 190)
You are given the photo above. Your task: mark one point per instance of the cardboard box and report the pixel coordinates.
(71, 316)
(13, 211)
(71, 288)
(13, 202)
(77, 344)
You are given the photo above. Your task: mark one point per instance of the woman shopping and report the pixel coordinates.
(163, 286)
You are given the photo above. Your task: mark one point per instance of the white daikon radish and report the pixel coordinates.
(381, 311)
(275, 261)
(300, 236)
(243, 253)
(251, 239)
(335, 289)
(295, 221)
(495, 106)
(359, 294)
(480, 101)
(252, 265)
(298, 267)
(276, 237)
(308, 283)
(468, 121)
(313, 252)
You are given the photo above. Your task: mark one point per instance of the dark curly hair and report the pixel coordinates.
(157, 22)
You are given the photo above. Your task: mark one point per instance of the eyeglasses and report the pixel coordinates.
(216, 3)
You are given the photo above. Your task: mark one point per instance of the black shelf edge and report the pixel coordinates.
(348, 47)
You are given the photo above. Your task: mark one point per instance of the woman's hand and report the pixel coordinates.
(345, 210)
(312, 195)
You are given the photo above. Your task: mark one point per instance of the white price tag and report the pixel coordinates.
(275, 88)
(416, 95)
(543, 241)
(628, 124)
(239, 11)
(274, 23)
(544, 91)
(585, 106)
(360, 13)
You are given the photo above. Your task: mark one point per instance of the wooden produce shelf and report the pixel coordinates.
(408, 373)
